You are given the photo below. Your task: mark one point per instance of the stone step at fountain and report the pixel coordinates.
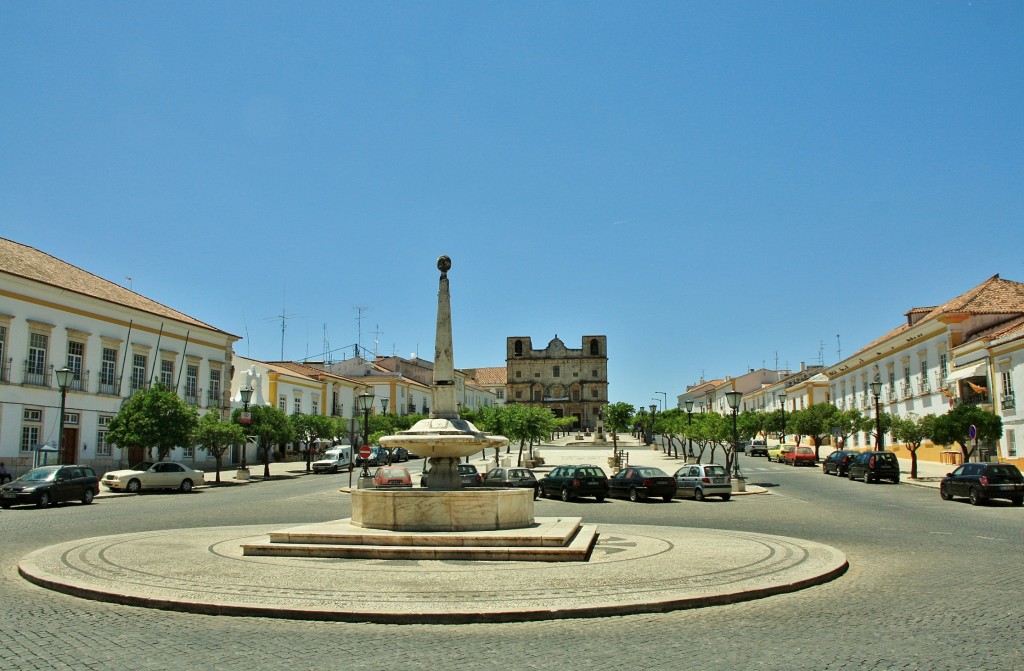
(547, 539)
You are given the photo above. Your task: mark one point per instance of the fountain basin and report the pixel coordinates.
(440, 437)
(476, 509)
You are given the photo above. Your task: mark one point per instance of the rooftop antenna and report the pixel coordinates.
(776, 359)
(130, 279)
(839, 348)
(376, 339)
(284, 317)
(360, 309)
(821, 352)
(328, 360)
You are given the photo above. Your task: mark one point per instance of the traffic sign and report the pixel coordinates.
(364, 451)
(973, 432)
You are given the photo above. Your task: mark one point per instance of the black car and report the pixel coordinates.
(399, 454)
(468, 474)
(571, 481)
(514, 477)
(874, 466)
(838, 462)
(51, 485)
(980, 482)
(378, 457)
(641, 482)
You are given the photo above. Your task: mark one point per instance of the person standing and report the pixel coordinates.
(5, 476)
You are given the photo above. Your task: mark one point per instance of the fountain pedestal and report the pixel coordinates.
(473, 509)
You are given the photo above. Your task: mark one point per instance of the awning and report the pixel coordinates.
(978, 369)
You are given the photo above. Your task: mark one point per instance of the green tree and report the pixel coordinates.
(869, 425)
(815, 422)
(845, 423)
(912, 431)
(955, 425)
(310, 428)
(271, 427)
(154, 417)
(216, 435)
(618, 417)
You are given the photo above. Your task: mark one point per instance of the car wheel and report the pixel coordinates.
(44, 500)
(794, 463)
(946, 496)
(867, 478)
(726, 497)
(1019, 501)
(824, 470)
(186, 486)
(976, 498)
(698, 494)
(87, 497)
(565, 494)
(895, 481)
(133, 486)
(5, 505)
(849, 474)
(536, 493)
(667, 498)
(634, 496)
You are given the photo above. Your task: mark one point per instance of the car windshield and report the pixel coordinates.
(142, 466)
(651, 472)
(519, 473)
(714, 471)
(591, 472)
(887, 458)
(1004, 471)
(393, 472)
(41, 474)
(804, 450)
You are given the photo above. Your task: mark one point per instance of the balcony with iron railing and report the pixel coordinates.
(338, 411)
(1008, 402)
(923, 388)
(5, 370)
(906, 390)
(213, 399)
(37, 376)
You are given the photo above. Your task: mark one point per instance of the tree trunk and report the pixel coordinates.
(913, 462)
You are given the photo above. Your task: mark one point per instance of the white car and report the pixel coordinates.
(154, 475)
(336, 458)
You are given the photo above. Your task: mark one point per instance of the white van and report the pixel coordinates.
(335, 459)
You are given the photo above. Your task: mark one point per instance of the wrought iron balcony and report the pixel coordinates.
(1008, 402)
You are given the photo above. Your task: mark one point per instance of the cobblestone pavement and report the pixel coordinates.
(932, 585)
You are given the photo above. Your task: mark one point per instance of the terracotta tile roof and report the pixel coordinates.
(496, 376)
(312, 372)
(993, 296)
(31, 264)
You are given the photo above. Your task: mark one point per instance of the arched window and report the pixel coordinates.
(594, 349)
(519, 348)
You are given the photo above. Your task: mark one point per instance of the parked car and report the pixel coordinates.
(392, 476)
(700, 481)
(47, 485)
(335, 459)
(399, 454)
(875, 466)
(981, 481)
(514, 477)
(778, 452)
(641, 482)
(468, 474)
(154, 475)
(838, 462)
(568, 482)
(758, 448)
(378, 457)
(801, 455)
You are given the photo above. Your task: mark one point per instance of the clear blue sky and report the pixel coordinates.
(710, 184)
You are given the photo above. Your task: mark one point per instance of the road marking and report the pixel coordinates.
(989, 538)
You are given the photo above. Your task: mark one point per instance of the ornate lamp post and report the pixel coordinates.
(782, 404)
(876, 389)
(64, 377)
(365, 402)
(689, 439)
(733, 398)
(245, 393)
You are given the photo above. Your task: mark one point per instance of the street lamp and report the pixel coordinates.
(782, 403)
(64, 377)
(245, 393)
(876, 389)
(365, 402)
(689, 439)
(384, 405)
(733, 397)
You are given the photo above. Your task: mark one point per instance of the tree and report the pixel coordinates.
(845, 423)
(619, 417)
(911, 431)
(154, 417)
(216, 436)
(270, 426)
(869, 425)
(955, 425)
(310, 428)
(815, 422)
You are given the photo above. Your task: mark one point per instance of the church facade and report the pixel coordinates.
(570, 382)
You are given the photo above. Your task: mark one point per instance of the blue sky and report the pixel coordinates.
(713, 185)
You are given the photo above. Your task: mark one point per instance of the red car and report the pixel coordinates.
(392, 476)
(801, 455)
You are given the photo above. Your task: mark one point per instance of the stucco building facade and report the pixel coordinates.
(570, 382)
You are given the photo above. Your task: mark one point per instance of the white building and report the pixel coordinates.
(55, 315)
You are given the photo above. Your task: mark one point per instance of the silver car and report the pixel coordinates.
(702, 480)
